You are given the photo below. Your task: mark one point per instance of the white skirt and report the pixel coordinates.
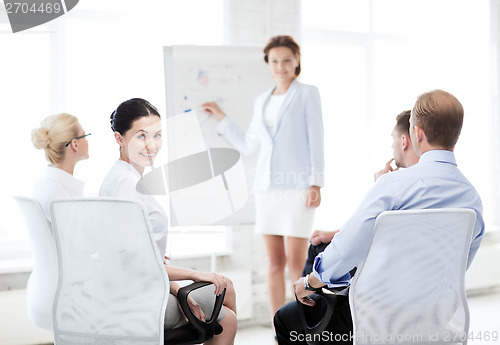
(283, 212)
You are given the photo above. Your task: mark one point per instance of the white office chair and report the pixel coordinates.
(42, 282)
(410, 288)
(112, 288)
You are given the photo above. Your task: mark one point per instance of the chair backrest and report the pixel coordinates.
(113, 287)
(410, 288)
(42, 282)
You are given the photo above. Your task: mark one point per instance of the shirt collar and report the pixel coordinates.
(442, 156)
(294, 84)
(69, 182)
(129, 167)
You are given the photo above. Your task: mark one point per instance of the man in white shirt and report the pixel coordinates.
(434, 182)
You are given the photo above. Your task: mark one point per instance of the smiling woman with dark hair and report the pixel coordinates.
(137, 129)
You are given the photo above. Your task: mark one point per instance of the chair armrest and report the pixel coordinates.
(330, 296)
(197, 323)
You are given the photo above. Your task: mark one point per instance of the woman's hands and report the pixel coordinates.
(216, 279)
(213, 109)
(313, 197)
(195, 308)
(179, 273)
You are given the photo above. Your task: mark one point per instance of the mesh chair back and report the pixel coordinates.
(42, 282)
(410, 288)
(112, 285)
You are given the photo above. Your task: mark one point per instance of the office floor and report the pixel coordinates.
(484, 309)
(485, 320)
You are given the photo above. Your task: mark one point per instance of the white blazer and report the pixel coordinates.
(294, 156)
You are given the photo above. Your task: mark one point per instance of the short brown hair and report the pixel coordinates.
(283, 41)
(403, 123)
(440, 115)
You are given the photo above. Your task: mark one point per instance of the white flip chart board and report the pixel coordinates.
(232, 76)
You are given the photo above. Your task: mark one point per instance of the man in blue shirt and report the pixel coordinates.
(403, 156)
(434, 182)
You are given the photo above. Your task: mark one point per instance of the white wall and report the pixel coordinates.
(118, 38)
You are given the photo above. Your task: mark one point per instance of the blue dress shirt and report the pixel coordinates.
(434, 182)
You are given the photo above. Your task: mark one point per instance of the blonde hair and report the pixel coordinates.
(54, 132)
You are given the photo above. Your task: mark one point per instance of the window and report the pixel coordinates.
(24, 66)
(372, 63)
(85, 63)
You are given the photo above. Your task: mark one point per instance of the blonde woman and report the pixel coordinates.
(63, 140)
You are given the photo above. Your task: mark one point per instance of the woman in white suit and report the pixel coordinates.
(287, 125)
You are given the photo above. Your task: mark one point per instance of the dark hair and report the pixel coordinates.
(283, 41)
(129, 111)
(440, 115)
(403, 123)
